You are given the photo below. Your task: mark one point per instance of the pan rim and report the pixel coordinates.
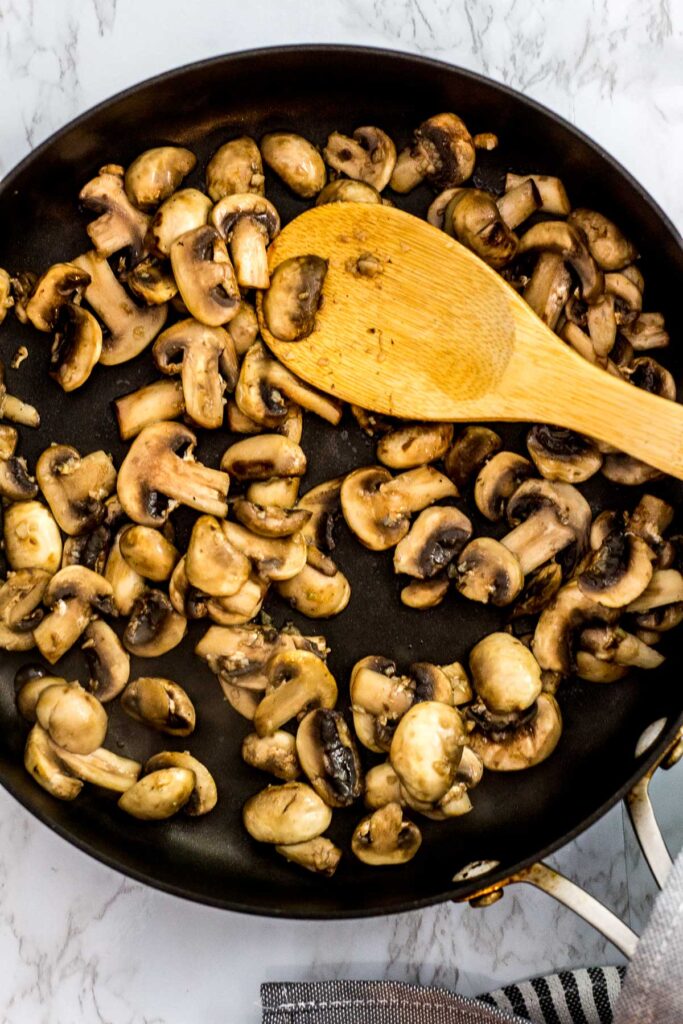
(460, 891)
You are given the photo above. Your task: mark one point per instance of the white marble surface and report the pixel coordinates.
(80, 943)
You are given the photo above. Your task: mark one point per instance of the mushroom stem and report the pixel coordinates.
(161, 400)
(248, 251)
(538, 539)
(16, 411)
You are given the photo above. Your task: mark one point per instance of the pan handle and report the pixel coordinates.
(572, 895)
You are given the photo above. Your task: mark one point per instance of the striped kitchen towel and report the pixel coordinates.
(571, 997)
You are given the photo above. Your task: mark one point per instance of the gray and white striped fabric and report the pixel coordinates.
(573, 997)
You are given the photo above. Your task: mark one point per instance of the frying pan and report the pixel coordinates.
(517, 818)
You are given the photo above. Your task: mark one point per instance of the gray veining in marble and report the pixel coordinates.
(79, 943)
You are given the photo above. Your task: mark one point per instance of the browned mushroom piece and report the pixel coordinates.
(551, 191)
(474, 219)
(488, 572)
(186, 210)
(619, 570)
(385, 837)
(546, 518)
(75, 487)
(296, 161)
(548, 288)
(329, 758)
(13, 409)
(646, 332)
(74, 596)
(497, 481)
(213, 564)
(540, 587)
(623, 469)
(519, 202)
(646, 373)
(346, 190)
(290, 305)
(161, 400)
(442, 152)
(31, 537)
(76, 347)
(155, 174)
(205, 276)
(368, 156)
(424, 594)
(235, 167)
(62, 284)
(266, 390)
(197, 352)
(248, 223)
(610, 249)
(553, 638)
(563, 455)
(154, 627)
(119, 224)
(437, 536)
(263, 457)
(160, 703)
(152, 281)
(565, 240)
(316, 593)
(414, 445)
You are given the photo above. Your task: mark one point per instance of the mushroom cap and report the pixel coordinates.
(186, 210)
(568, 242)
(426, 749)
(296, 161)
(31, 537)
(515, 749)
(48, 770)
(486, 571)
(75, 582)
(619, 571)
(505, 673)
(61, 284)
(623, 469)
(156, 173)
(569, 609)
(315, 594)
(382, 787)
(610, 249)
(498, 480)
(154, 626)
(205, 276)
(73, 718)
(148, 552)
(16, 484)
(213, 564)
(290, 305)
(275, 754)
(289, 813)
(20, 596)
(422, 594)
(119, 224)
(477, 223)
(235, 167)
(197, 351)
(563, 455)
(329, 758)
(75, 487)
(76, 348)
(270, 520)
(319, 855)
(160, 794)
(152, 281)
(204, 796)
(436, 537)
(367, 512)
(108, 663)
(369, 156)
(445, 150)
(386, 837)
(297, 681)
(540, 587)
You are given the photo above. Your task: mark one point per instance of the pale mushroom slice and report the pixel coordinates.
(20, 597)
(273, 558)
(488, 572)
(518, 203)
(159, 795)
(43, 765)
(263, 457)
(235, 167)
(554, 634)
(102, 768)
(298, 681)
(130, 328)
(435, 538)
(127, 585)
(213, 564)
(550, 189)
(497, 481)
(426, 749)
(159, 472)
(265, 389)
(385, 837)
(119, 224)
(62, 284)
(153, 403)
(72, 717)
(414, 445)
(74, 596)
(198, 353)
(548, 288)
(618, 571)
(161, 704)
(424, 594)
(108, 663)
(154, 627)
(515, 749)
(346, 190)
(148, 552)
(473, 447)
(318, 855)
(186, 210)
(275, 754)
(379, 698)
(270, 520)
(76, 486)
(316, 594)
(152, 281)
(290, 305)
(290, 813)
(13, 409)
(564, 239)
(204, 796)
(205, 276)
(31, 537)
(505, 674)
(248, 223)
(329, 758)
(368, 156)
(442, 152)
(294, 159)
(155, 174)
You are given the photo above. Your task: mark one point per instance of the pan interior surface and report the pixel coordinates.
(314, 91)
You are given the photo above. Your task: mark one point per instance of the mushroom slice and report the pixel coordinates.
(594, 670)
(275, 754)
(152, 281)
(108, 663)
(130, 329)
(486, 571)
(148, 552)
(101, 767)
(442, 152)
(159, 795)
(471, 449)
(240, 607)
(298, 682)
(296, 161)
(153, 403)
(346, 190)
(646, 332)
(514, 749)
(328, 756)
(318, 855)
(20, 596)
(161, 704)
(13, 409)
(264, 384)
(568, 610)
(127, 585)
(423, 594)
(610, 249)
(386, 837)
(497, 481)
(650, 519)
(323, 501)
(63, 284)
(279, 491)
(665, 588)
(16, 639)
(119, 225)
(204, 796)
(235, 167)
(433, 541)
(213, 564)
(269, 520)
(184, 211)
(31, 537)
(22, 285)
(518, 203)
(74, 595)
(613, 644)
(248, 223)
(156, 173)
(76, 348)
(9, 439)
(196, 351)
(623, 469)
(379, 698)
(239, 655)
(263, 457)
(316, 594)
(43, 764)
(563, 455)
(369, 156)
(540, 587)
(414, 445)
(75, 487)
(646, 373)
(551, 190)
(16, 484)
(290, 305)
(547, 518)
(274, 558)
(243, 328)
(477, 222)
(6, 297)
(548, 288)
(382, 787)
(154, 627)
(565, 240)
(73, 718)
(619, 571)
(290, 813)
(205, 276)
(426, 749)
(505, 673)
(159, 472)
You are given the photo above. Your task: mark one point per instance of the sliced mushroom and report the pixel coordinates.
(213, 564)
(296, 161)
(281, 492)
(290, 813)
(328, 756)
(63, 284)
(369, 156)
(551, 190)
(610, 249)
(650, 519)
(9, 439)
(159, 795)
(154, 627)
(43, 764)
(319, 855)
(108, 663)
(386, 837)
(263, 457)
(548, 288)
(646, 332)
(243, 328)
(205, 276)
(235, 167)
(16, 483)
(497, 481)
(422, 594)
(436, 537)
(476, 221)
(184, 211)
(273, 558)
(159, 472)
(298, 682)
(290, 305)
(204, 796)
(152, 281)
(240, 655)
(13, 409)
(414, 445)
(148, 552)
(623, 469)
(6, 297)
(20, 596)
(518, 203)
(31, 537)
(119, 225)
(554, 634)
(505, 673)
(161, 400)
(615, 645)
(264, 386)
(248, 223)
(155, 174)
(346, 190)
(130, 328)
(22, 285)
(275, 754)
(316, 594)
(618, 571)
(426, 749)
(565, 240)
(102, 768)
(127, 585)
(471, 449)
(76, 348)
(75, 487)
(488, 572)
(594, 670)
(540, 587)
(442, 152)
(269, 520)
(547, 518)
(238, 608)
(665, 588)
(523, 746)
(562, 454)
(160, 703)
(73, 718)
(382, 787)
(646, 373)
(74, 595)
(197, 352)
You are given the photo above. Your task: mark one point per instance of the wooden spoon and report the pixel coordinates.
(414, 325)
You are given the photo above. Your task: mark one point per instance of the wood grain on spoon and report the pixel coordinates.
(413, 324)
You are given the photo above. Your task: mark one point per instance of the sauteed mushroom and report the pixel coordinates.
(155, 174)
(198, 353)
(275, 754)
(497, 481)
(248, 223)
(74, 595)
(328, 756)
(523, 746)
(607, 245)
(386, 837)
(72, 717)
(213, 564)
(20, 597)
(13, 409)
(471, 449)
(547, 518)
(204, 796)
(161, 704)
(347, 190)
(290, 813)
(562, 454)
(264, 386)
(160, 794)
(76, 348)
(296, 161)
(161, 400)
(369, 156)
(263, 457)
(319, 855)
(436, 537)
(101, 768)
(414, 445)
(108, 663)
(186, 210)
(31, 537)
(317, 594)
(618, 571)
(43, 764)
(119, 225)
(205, 276)
(75, 486)
(154, 626)
(298, 681)
(488, 572)
(442, 151)
(127, 585)
(63, 284)
(551, 191)
(568, 610)
(290, 305)
(273, 558)
(148, 552)
(234, 168)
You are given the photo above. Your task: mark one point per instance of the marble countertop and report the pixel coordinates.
(81, 943)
